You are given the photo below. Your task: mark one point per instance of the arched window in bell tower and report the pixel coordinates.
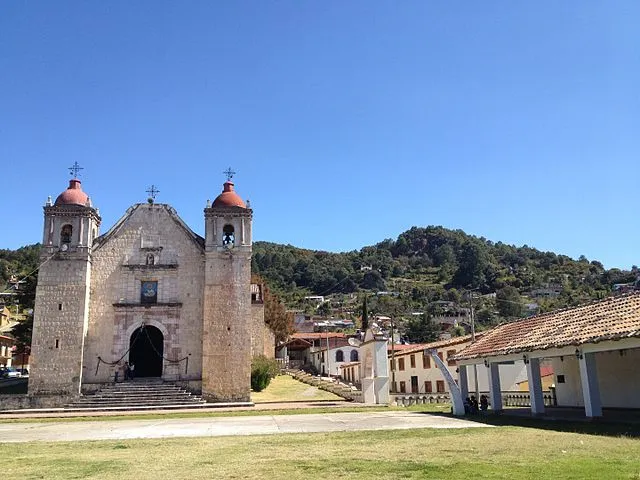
(228, 236)
(65, 234)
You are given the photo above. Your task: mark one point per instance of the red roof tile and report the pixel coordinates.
(613, 318)
(317, 335)
(438, 344)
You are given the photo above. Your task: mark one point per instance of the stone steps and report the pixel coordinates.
(150, 399)
(341, 390)
(138, 393)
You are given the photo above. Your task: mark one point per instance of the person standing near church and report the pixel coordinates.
(132, 371)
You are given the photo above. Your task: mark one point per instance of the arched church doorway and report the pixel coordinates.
(146, 351)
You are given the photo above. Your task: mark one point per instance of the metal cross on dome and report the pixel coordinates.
(229, 173)
(153, 191)
(75, 169)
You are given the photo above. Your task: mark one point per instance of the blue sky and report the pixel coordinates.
(346, 122)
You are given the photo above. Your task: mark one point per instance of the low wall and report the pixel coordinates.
(18, 402)
(404, 400)
(509, 399)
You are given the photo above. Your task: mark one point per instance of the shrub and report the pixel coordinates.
(263, 369)
(309, 368)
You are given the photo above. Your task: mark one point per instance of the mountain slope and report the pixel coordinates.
(429, 264)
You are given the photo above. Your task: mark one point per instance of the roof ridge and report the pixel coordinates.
(609, 298)
(609, 318)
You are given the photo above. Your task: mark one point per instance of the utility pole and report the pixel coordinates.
(473, 339)
(328, 367)
(393, 359)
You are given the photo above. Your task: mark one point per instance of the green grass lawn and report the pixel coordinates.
(500, 453)
(284, 388)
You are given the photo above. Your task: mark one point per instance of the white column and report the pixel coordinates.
(590, 388)
(535, 386)
(463, 381)
(495, 391)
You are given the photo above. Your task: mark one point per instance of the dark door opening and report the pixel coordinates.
(414, 384)
(146, 351)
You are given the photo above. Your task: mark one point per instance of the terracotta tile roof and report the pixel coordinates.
(613, 318)
(401, 346)
(316, 335)
(439, 344)
(300, 342)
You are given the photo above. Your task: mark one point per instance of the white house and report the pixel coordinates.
(329, 357)
(415, 372)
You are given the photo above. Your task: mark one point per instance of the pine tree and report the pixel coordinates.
(422, 329)
(365, 315)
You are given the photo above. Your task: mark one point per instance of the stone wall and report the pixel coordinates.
(120, 264)
(269, 342)
(60, 320)
(16, 402)
(226, 335)
(262, 338)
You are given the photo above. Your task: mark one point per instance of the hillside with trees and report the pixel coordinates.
(19, 274)
(428, 269)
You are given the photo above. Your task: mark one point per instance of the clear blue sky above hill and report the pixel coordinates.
(347, 122)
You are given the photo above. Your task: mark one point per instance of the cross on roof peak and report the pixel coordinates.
(75, 169)
(229, 173)
(153, 192)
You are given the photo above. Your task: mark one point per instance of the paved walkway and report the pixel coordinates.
(221, 426)
(215, 408)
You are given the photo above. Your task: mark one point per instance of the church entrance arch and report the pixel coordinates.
(146, 351)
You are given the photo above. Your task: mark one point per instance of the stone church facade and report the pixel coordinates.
(149, 291)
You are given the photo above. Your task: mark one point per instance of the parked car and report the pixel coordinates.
(9, 372)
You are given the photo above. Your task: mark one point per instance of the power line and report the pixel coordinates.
(29, 274)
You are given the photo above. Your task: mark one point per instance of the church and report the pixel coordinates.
(149, 291)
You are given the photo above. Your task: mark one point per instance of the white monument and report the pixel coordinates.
(375, 369)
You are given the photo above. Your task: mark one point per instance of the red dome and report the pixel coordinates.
(73, 195)
(228, 197)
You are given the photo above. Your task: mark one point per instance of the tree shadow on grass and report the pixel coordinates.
(601, 426)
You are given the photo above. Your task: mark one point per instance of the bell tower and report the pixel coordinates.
(62, 295)
(226, 332)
